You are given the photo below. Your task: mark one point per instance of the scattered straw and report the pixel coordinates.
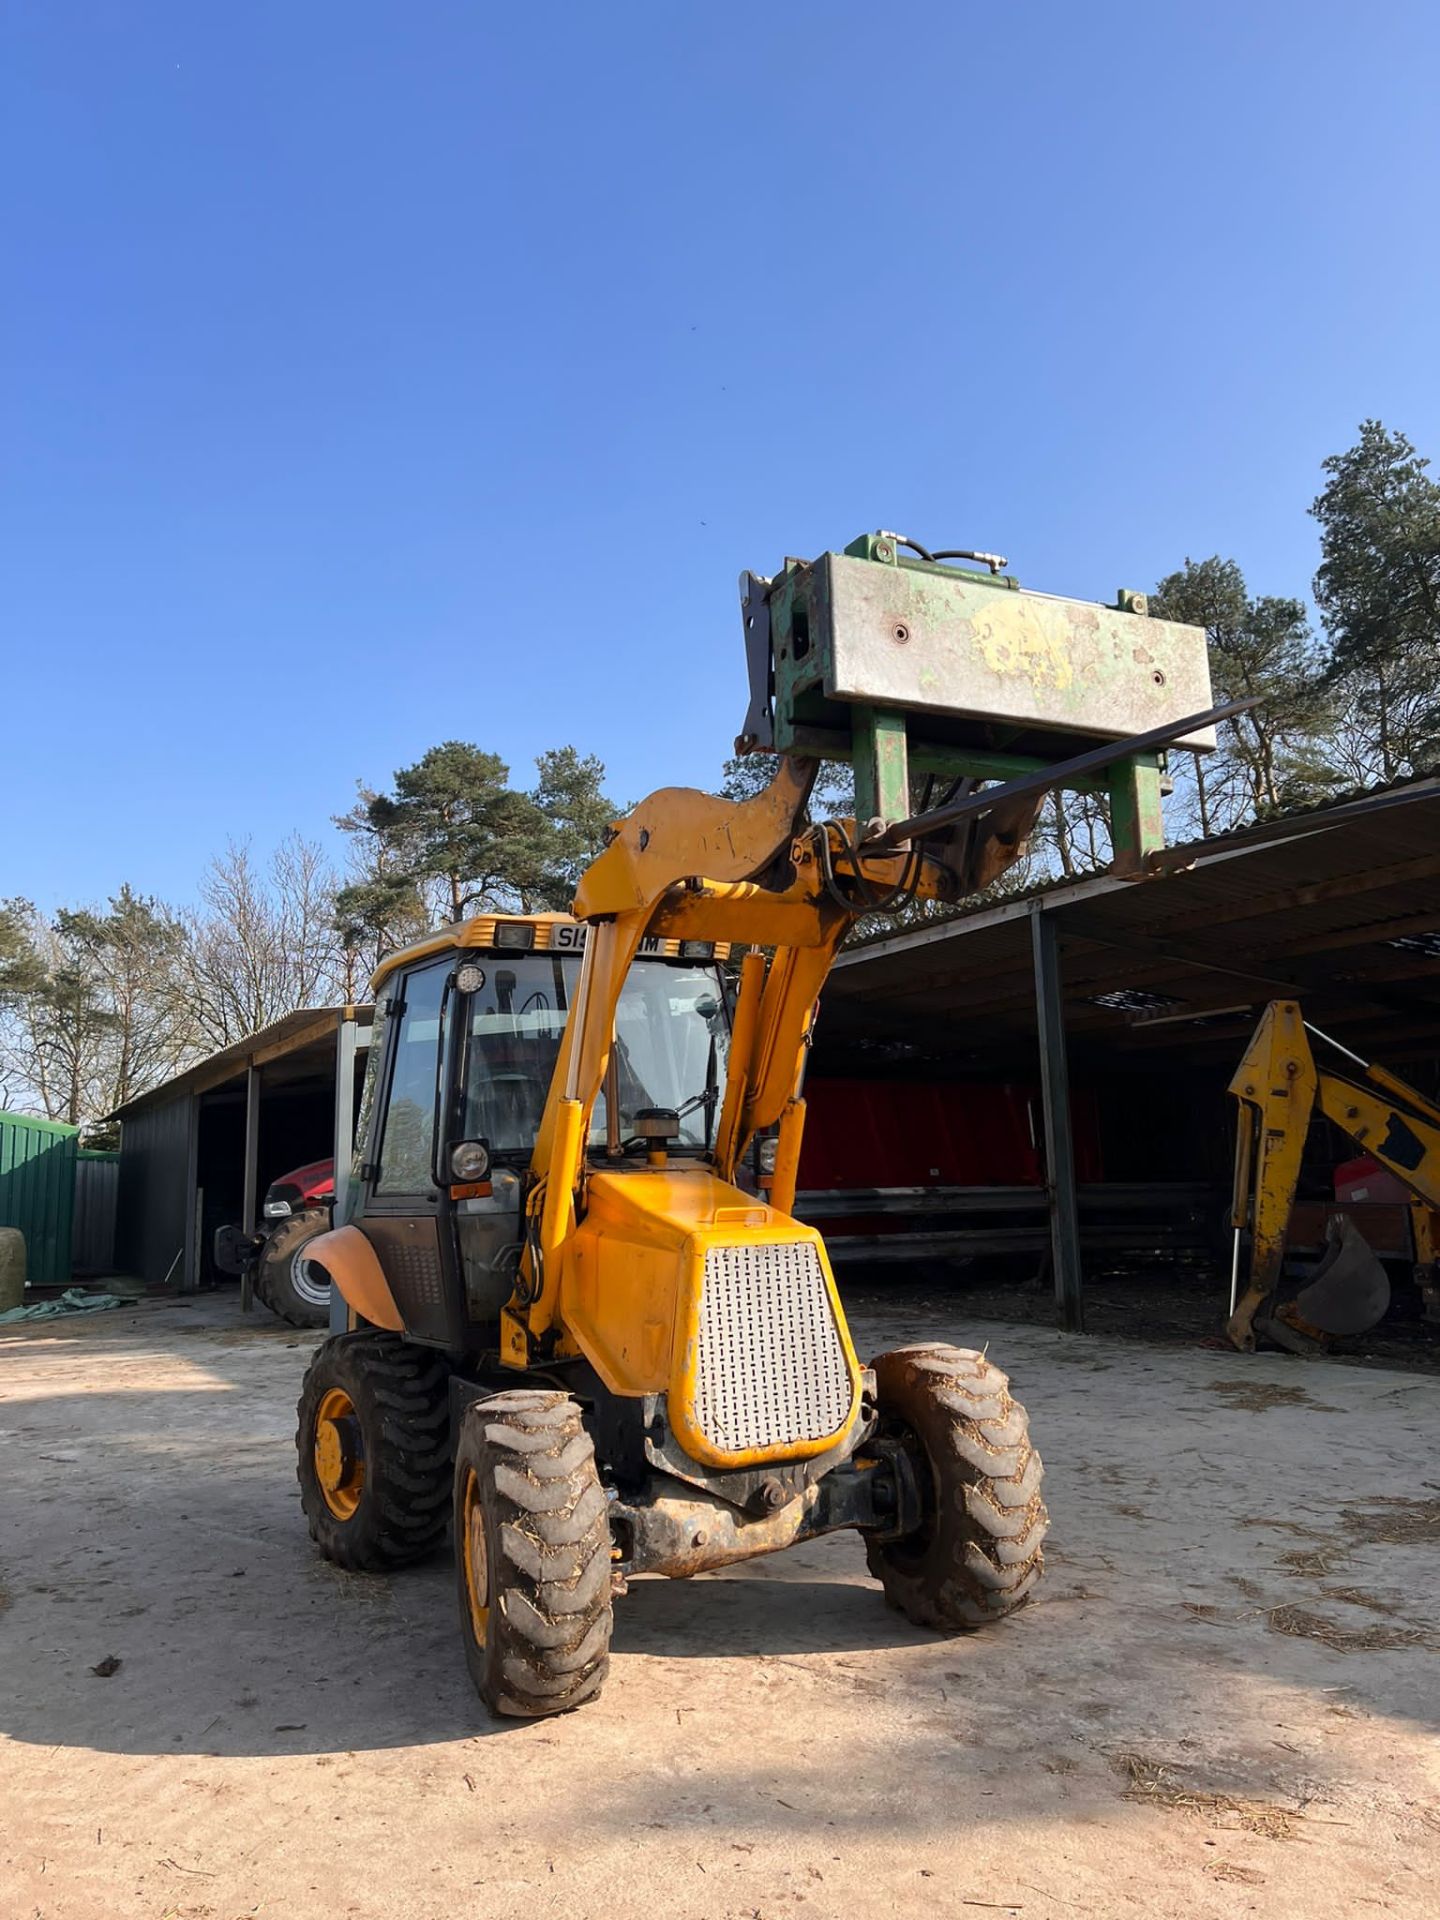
(1313, 1562)
(1154, 1784)
(1358, 1597)
(1227, 1870)
(1302, 1625)
(1399, 1523)
(1258, 1396)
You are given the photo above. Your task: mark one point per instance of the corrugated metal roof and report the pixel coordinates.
(1361, 802)
(306, 1027)
(1307, 905)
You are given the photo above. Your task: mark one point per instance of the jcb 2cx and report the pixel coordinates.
(578, 1332)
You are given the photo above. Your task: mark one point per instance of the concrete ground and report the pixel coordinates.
(1223, 1701)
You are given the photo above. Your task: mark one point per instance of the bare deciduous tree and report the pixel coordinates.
(261, 944)
(95, 1012)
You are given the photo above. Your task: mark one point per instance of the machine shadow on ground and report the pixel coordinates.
(151, 1515)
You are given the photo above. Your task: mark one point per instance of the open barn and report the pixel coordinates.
(1078, 1043)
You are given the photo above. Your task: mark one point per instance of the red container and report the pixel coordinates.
(1366, 1179)
(932, 1133)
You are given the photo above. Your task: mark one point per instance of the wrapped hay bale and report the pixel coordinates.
(12, 1268)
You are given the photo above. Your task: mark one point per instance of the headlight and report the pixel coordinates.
(469, 1162)
(769, 1149)
(276, 1209)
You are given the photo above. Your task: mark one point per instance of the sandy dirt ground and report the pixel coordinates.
(1224, 1701)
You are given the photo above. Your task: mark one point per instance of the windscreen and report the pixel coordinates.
(671, 1035)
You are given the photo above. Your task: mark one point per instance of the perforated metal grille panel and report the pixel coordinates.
(414, 1275)
(770, 1368)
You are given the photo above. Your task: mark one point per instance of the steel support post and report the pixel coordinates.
(344, 1143)
(882, 766)
(190, 1265)
(250, 1201)
(1137, 824)
(1059, 1142)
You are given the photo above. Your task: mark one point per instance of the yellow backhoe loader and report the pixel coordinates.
(577, 1328)
(1279, 1088)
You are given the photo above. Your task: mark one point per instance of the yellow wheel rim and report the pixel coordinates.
(339, 1452)
(474, 1559)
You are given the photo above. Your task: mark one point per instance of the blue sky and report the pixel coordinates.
(374, 375)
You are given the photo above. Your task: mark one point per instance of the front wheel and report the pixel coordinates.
(373, 1446)
(977, 1554)
(532, 1554)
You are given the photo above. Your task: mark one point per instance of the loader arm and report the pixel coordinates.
(909, 670)
(1279, 1087)
(686, 865)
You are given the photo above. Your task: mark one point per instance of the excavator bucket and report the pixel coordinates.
(1349, 1290)
(1347, 1293)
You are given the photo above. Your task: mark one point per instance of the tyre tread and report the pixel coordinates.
(405, 1510)
(550, 1620)
(984, 1551)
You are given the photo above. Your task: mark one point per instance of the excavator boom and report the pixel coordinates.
(1279, 1087)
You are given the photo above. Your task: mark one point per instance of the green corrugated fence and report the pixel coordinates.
(37, 1192)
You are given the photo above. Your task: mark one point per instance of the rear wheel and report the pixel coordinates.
(532, 1554)
(976, 1555)
(286, 1280)
(374, 1451)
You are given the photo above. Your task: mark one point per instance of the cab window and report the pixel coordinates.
(671, 1035)
(407, 1147)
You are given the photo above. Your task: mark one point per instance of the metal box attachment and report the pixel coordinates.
(912, 637)
(977, 652)
(907, 667)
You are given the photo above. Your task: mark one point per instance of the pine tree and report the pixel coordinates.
(1378, 590)
(1274, 756)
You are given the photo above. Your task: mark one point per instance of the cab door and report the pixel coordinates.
(406, 1215)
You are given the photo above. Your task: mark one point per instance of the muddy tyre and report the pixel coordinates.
(532, 1554)
(977, 1554)
(373, 1447)
(286, 1280)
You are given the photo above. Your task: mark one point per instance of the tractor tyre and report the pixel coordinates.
(976, 1555)
(374, 1451)
(532, 1554)
(286, 1281)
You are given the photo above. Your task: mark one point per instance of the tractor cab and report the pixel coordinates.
(468, 1030)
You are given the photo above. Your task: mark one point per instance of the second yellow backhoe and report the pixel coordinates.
(1280, 1088)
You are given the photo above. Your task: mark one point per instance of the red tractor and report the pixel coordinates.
(295, 1209)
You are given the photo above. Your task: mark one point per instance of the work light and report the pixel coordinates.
(514, 934)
